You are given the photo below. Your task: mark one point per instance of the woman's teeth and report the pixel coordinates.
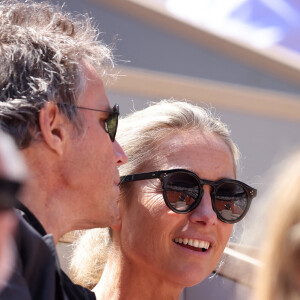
(194, 243)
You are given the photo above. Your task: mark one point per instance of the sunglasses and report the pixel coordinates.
(8, 191)
(111, 123)
(183, 191)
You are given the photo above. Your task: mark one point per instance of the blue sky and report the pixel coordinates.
(261, 23)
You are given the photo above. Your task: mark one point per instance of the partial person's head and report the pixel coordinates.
(12, 175)
(52, 98)
(174, 224)
(12, 166)
(279, 277)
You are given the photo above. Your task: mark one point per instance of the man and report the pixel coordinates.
(12, 174)
(52, 101)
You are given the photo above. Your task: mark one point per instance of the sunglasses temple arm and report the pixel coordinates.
(140, 176)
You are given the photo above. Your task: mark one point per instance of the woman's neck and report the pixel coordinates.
(123, 280)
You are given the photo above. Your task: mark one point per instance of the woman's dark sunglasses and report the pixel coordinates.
(183, 191)
(111, 123)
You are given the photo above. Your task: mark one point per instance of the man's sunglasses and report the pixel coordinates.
(111, 123)
(183, 191)
(8, 191)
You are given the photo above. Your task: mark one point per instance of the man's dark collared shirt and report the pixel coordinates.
(37, 274)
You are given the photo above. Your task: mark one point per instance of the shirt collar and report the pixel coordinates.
(30, 218)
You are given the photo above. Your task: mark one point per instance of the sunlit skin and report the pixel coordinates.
(92, 159)
(74, 173)
(152, 263)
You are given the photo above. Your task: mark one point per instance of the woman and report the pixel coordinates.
(174, 226)
(279, 277)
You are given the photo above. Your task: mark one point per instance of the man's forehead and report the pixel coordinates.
(89, 71)
(93, 94)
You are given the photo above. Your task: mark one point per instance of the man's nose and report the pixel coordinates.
(120, 154)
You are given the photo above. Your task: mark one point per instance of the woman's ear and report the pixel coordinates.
(52, 124)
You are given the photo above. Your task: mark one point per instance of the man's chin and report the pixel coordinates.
(116, 225)
(115, 221)
(111, 219)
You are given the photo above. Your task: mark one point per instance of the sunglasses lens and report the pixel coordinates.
(231, 201)
(112, 124)
(181, 191)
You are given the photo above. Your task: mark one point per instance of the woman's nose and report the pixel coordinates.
(204, 212)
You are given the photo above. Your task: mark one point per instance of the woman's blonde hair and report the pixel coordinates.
(140, 134)
(279, 277)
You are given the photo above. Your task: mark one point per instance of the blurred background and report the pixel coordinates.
(238, 57)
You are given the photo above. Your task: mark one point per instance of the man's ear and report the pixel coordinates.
(52, 126)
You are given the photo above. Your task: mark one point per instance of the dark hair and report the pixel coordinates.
(41, 51)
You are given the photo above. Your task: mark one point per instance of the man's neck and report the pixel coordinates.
(44, 193)
(49, 213)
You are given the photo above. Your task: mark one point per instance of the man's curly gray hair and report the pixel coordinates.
(41, 50)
